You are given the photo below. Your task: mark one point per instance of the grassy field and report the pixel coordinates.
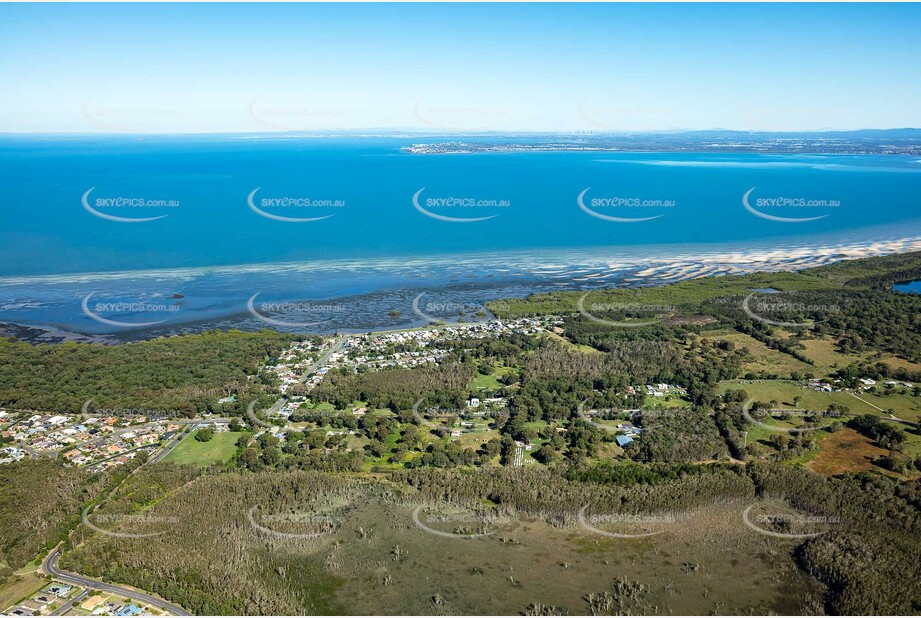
(895, 361)
(378, 561)
(666, 402)
(764, 359)
(844, 451)
(585, 349)
(19, 586)
(190, 451)
(491, 381)
(826, 358)
(783, 391)
(682, 293)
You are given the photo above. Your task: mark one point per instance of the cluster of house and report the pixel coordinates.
(404, 349)
(867, 384)
(376, 350)
(479, 407)
(626, 432)
(45, 601)
(291, 364)
(833, 386)
(822, 386)
(56, 595)
(10, 454)
(660, 390)
(83, 440)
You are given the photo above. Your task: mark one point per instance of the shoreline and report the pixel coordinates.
(391, 307)
(612, 256)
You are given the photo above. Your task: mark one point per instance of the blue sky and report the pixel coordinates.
(540, 67)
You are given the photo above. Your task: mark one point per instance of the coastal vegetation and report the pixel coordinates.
(179, 376)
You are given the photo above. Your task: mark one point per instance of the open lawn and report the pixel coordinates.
(783, 391)
(190, 451)
(666, 402)
(585, 349)
(489, 382)
(827, 359)
(844, 451)
(692, 292)
(763, 358)
(18, 587)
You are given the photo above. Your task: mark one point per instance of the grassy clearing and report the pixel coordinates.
(764, 359)
(18, 587)
(491, 381)
(826, 358)
(190, 451)
(666, 402)
(901, 363)
(579, 347)
(691, 292)
(783, 391)
(844, 451)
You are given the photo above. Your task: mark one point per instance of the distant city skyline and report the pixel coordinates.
(246, 68)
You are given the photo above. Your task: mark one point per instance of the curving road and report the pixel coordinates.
(50, 566)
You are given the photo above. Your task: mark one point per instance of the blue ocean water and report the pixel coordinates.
(326, 218)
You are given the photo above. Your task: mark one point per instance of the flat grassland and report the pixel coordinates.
(378, 559)
(783, 391)
(218, 449)
(764, 358)
(21, 584)
(844, 451)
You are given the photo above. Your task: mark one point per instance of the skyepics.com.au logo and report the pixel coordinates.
(771, 307)
(104, 207)
(124, 311)
(787, 205)
(438, 207)
(788, 525)
(634, 314)
(459, 310)
(255, 420)
(300, 314)
(292, 525)
(604, 207)
(641, 525)
(127, 525)
(297, 117)
(619, 421)
(750, 410)
(459, 117)
(420, 414)
(270, 207)
(127, 413)
(453, 522)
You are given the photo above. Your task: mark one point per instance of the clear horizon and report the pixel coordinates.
(448, 68)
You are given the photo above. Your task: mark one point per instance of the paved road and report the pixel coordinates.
(50, 566)
(61, 611)
(159, 455)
